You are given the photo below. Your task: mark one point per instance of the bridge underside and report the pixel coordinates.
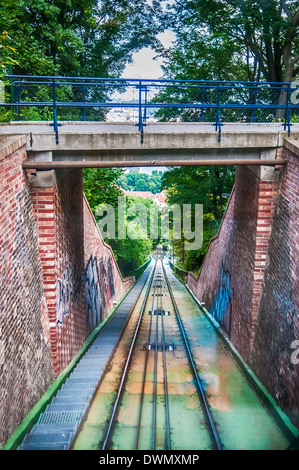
(102, 144)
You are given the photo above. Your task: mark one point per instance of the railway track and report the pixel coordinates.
(155, 350)
(137, 387)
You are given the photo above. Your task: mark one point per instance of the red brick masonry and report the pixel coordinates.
(58, 281)
(249, 277)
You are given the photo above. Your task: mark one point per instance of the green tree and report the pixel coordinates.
(198, 185)
(136, 181)
(101, 187)
(234, 40)
(263, 34)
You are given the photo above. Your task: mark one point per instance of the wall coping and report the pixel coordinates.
(292, 145)
(9, 144)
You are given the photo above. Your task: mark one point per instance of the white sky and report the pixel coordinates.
(144, 65)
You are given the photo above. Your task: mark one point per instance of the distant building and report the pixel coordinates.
(159, 198)
(146, 169)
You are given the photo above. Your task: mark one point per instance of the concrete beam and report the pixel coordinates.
(102, 136)
(48, 178)
(163, 154)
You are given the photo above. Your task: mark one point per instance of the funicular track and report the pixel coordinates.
(138, 386)
(156, 348)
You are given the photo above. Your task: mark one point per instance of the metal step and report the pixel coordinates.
(43, 447)
(55, 417)
(49, 438)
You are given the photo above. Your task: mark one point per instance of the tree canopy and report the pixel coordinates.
(135, 181)
(74, 37)
(234, 40)
(101, 187)
(209, 186)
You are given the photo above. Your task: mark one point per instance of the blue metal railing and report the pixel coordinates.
(89, 98)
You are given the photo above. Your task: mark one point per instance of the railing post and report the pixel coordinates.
(145, 103)
(12, 89)
(202, 102)
(140, 111)
(84, 100)
(55, 111)
(218, 121)
(287, 124)
(255, 92)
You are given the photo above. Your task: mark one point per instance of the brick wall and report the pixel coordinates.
(249, 277)
(278, 315)
(26, 368)
(254, 206)
(59, 217)
(81, 277)
(231, 277)
(103, 281)
(208, 285)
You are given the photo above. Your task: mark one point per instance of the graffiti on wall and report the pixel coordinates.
(110, 279)
(99, 288)
(221, 306)
(64, 292)
(93, 293)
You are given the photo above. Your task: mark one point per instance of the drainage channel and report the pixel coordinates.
(59, 424)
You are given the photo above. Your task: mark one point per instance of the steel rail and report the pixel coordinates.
(145, 369)
(168, 433)
(127, 365)
(56, 165)
(200, 388)
(154, 430)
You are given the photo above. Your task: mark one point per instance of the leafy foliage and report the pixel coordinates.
(76, 37)
(237, 39)
(135, 181)
(101, 187)
(209, 186)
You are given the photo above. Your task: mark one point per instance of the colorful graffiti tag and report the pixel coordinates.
(221, 306)
(64, 291)
(93, 293)
(98, 285)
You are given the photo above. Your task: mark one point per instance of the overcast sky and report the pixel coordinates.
(144, 65)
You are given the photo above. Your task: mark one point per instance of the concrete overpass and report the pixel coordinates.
(100, 144)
